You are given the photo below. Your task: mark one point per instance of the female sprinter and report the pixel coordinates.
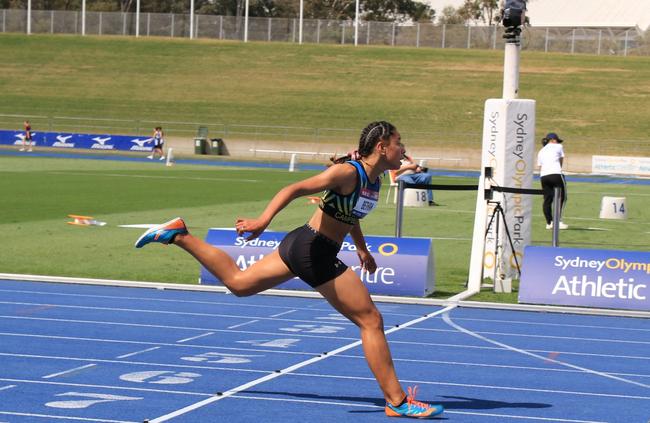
(309, 252)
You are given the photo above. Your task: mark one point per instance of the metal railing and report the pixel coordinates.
(599, 41)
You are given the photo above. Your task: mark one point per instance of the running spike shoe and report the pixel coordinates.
(412, 408)
(164, 233)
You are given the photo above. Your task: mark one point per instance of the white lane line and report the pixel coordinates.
(113, 387)
(138, 352)
(69, 371)
(148, 311)
(480, 347)
(498, 366)
(3, 388)
(283, 313)
(139, 325)
(195, 337)
(564, 325)
(448, 320)
(99, 322)
(158, 344)
(525, 335)
(350, 378)
(326, 307)
(546, 419)
(144, 363)
(82, 419)
(242, 324)
(485, 387)
(278, 373)
(161, 300)
(236, 369)
(349, 404)
(248, 305)
(417, 344)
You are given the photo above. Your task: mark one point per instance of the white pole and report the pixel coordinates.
(29, 17)
(192, 19)
(300, 26)
(246, 23)
(511, 71)
(356, 23)
(137, 18)
(170, 157)
(83, 17)
(293, 162)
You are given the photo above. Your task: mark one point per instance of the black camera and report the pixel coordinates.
(512, 17)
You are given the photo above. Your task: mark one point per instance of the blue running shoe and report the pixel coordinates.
(412, 408)
(164, 233)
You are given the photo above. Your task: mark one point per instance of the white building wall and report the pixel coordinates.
(580, 13)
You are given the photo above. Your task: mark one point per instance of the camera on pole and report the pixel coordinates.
(512, 18)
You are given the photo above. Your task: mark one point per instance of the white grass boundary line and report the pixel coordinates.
(447, 319)
(458, 299)
(278, 373)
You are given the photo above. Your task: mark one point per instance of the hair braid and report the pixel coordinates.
(372, 134)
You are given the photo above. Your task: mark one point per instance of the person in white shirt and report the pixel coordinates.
(550, 159)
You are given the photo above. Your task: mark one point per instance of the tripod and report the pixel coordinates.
(499, 212)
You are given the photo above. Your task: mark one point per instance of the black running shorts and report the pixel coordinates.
(311, 256)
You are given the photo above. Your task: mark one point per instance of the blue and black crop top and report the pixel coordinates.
(356, 205)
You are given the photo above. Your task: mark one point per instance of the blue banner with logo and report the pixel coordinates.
(588, 278)
(404, 265)
(70, 140)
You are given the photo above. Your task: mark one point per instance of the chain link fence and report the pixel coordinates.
(598, 41)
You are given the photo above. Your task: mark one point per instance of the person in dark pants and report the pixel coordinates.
(550, 159)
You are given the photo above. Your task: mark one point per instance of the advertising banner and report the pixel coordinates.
(620, 165)
(509, 149)
(588, 278)
(70, 140)
(404, 265)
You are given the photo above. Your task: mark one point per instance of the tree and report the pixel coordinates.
(472, 11)
(396, 10)
(450, 16)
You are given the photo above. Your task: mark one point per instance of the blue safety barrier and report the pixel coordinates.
(70, 140)
(404, 265)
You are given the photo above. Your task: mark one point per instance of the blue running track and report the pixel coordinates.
(75, 353)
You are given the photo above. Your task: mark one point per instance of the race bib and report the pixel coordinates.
(366, 202)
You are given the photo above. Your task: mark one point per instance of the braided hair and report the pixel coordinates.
(372, 134)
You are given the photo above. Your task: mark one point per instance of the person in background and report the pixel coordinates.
(412, 173)
(351, 191)
(158, 143)
(550, 159)
(27, 138)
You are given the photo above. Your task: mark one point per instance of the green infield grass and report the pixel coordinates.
(38, 194)
(590, 100)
